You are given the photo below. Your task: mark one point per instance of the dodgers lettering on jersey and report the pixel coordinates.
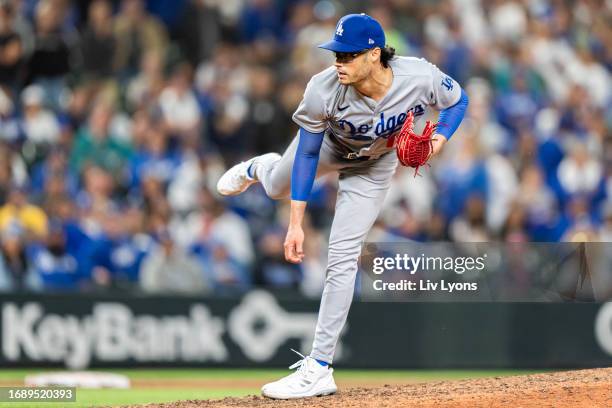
(363, 125)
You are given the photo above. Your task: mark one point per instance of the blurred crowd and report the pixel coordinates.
(118, 117)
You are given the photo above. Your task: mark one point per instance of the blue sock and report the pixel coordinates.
(323, 363)
(249, 171)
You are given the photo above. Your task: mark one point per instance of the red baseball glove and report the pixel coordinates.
(414, 150)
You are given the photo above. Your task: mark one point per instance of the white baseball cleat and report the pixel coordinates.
(236, 180)
(311, 379)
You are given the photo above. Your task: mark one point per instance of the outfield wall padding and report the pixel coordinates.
(259, 329)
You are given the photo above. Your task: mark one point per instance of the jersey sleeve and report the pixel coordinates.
(445, 90)
(311, 114)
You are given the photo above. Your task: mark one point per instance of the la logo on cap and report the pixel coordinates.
(339, 30)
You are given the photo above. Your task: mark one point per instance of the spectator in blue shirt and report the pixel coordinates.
(55, 267)
(117, 254)
(155, 159)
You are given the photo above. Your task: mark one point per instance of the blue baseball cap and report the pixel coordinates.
(356, 32)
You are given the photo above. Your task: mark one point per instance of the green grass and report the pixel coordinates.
(89, 398)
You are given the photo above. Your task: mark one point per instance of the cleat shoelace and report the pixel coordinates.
(300, 364)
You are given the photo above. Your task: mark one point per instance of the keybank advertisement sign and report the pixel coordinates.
(113, 332)
(259, 330)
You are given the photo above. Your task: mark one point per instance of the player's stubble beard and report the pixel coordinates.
(355, 72)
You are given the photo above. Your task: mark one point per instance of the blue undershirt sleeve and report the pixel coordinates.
(305, 164)
(450, 118)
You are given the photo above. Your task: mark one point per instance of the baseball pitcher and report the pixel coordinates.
(356, 119)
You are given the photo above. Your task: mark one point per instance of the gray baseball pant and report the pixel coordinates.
(361, 190)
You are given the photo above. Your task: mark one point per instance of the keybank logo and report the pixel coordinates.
(113, 332)
(385, 127)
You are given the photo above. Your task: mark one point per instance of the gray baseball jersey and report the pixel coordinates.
(357, 123)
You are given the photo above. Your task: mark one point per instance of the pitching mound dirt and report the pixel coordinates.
(568, 389)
